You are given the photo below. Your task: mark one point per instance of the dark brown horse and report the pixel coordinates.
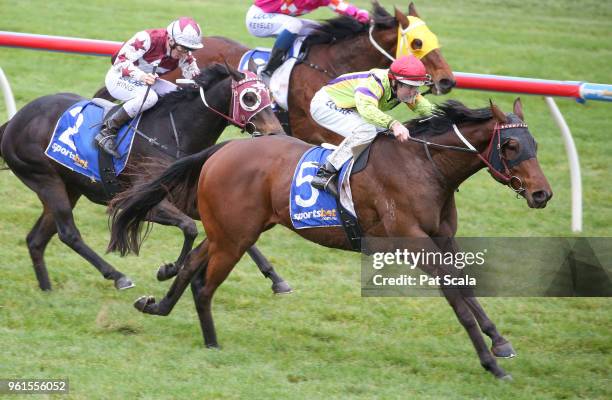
(400, 193)
(24, 138)
(342, 45)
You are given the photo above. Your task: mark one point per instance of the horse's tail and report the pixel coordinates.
(129, 209)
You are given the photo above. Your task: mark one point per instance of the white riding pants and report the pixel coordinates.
(346, 122)
(262, 24)
(131, 91)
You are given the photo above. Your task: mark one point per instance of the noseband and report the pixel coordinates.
(242, 114)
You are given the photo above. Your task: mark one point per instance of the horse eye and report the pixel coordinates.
(249, 99)
(416, 44)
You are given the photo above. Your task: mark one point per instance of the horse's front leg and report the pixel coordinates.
(418, 241)
(167, 214)
(279, 285)
(501, 347)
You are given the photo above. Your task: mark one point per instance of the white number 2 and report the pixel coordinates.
(65, 137)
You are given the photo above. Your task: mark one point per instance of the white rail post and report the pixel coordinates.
(8, 95)
(574, 164)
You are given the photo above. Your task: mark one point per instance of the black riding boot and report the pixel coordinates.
(275, 61)
(106, 138)
(326, 179)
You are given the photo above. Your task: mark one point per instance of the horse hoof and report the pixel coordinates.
(503, 350)
(143, 301)
(281, 288)
(166, 272)
(506, 377)
(213, 347)
(124, 283)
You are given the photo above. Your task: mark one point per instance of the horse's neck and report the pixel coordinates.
(351, 55)
(197, 127)
(458, 166)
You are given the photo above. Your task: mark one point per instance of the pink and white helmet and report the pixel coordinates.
(185, 32)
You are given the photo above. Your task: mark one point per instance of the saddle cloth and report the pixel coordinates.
(313, 208)
(279, 82)
(72, 143)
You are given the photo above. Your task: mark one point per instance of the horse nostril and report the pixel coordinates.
(446, 85)
(540, 196)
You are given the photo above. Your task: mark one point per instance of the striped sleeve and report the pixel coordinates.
(367, 96)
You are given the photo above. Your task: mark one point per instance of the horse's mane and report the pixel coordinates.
(343, 27)
(445, 115)
(208, 77)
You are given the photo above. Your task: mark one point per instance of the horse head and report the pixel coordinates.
(513, 153)
(250, 108)
(414, 36)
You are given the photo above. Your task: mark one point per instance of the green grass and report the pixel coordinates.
(324, 340)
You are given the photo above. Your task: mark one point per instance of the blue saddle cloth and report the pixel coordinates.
(72, 143)
(310, 207)
(261, 55)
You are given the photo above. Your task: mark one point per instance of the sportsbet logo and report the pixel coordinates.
(321, 213)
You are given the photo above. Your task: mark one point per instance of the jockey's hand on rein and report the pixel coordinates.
(149, 79)
(400, 131)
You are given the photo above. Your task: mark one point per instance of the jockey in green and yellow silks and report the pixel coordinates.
(353, 105)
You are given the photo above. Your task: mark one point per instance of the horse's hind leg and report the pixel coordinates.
(222, 261)
(37, 241)
(279, 285)
(167, 214)
(501, 347)
(57, 202)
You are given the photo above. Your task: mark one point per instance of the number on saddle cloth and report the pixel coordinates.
(72, 143)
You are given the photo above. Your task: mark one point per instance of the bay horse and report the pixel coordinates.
(24, 138)
(341, 45)
(404, 191)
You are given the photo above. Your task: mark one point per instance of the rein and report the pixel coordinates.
(376, 45)
(502, 177)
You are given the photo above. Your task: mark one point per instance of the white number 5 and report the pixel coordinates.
(301, 179)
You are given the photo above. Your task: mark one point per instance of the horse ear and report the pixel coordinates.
(401, 19)
(252, 66)
(518, 108)
(233, 72)
(497, 113)
(412, 10)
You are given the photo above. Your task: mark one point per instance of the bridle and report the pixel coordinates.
(241, 113)
(492, 157)
(494, 153)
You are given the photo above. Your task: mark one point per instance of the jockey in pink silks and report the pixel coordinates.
(132, 71)
(278, 18)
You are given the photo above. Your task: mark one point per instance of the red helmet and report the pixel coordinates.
(409, 70)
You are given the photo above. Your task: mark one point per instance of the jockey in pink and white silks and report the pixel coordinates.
(132, 71)
(278, 18)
